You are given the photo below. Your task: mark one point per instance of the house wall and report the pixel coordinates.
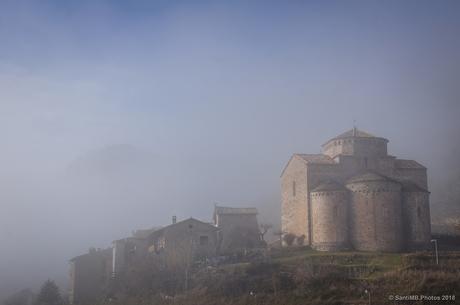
(188, 237)
(233, 226)
(89, 276)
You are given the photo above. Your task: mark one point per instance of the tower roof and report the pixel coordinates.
(354, 133)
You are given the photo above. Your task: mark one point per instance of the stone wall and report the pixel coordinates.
(89, 276)
(186, 238)
(127, 251)
(329, 220)
(416, 220)
(376, 216)
(238, 226)
(356, 146)
(416, 175)
(294, 195)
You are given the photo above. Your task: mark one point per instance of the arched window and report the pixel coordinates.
(419, 212)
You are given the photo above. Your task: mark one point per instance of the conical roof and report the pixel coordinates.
(355, 132)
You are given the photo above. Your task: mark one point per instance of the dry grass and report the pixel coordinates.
(302, 276)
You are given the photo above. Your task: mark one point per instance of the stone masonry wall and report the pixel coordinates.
(376, 216)
(294, 195)
(329, 220)
(416, 220)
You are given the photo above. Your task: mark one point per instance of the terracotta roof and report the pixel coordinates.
(370, 176)
(316, 158)
(191, 219)
(328, 186)
(355, 132)
(311, 159)
(228, 210)
(400, 163)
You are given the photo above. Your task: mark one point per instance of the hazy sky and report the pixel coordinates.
(116, 115)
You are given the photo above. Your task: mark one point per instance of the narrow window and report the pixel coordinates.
(293, 188)
(365, 162)
(419, 212)
(336, 213)
(204, 240)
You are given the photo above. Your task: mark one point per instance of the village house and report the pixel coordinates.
(183, 241)
(89, 275)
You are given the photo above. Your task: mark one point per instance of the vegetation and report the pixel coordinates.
(49, 294)
(299, 275)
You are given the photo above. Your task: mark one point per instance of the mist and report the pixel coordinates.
(115, 116)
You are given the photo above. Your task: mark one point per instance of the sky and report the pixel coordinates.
(116, 115)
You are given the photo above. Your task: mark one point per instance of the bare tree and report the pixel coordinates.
(264, 228)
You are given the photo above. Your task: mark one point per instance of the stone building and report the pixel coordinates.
(199, 239)
(180, 242)
(238, 228)
(89, 275)
(354, 195)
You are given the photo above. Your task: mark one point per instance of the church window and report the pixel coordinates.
(293, 189)
(419, 212)
(336, 212)
(365, 162)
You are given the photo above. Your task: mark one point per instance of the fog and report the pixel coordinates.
(116, 116)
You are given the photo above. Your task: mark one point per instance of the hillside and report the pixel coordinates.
(303, 276)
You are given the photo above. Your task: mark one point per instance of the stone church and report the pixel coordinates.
(354, 195)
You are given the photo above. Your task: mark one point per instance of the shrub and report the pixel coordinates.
(300, 240)
(289, 239)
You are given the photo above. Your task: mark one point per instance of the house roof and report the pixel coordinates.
(100, 252)
(211, 226)
(144, 233)
(401, 163)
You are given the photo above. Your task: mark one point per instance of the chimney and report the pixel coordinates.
(174, 219)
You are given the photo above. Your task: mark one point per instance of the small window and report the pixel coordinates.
(419, 212)
(293, 188)
(204, 240)
(365, 162)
